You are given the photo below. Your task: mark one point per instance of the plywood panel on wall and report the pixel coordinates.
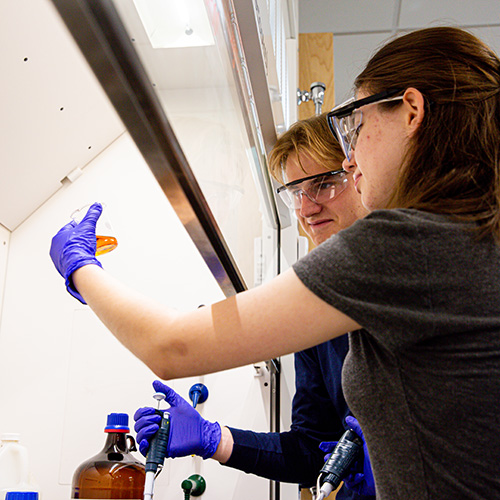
(316, 65)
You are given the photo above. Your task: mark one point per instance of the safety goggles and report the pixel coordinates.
(318, 188)
(345, 120)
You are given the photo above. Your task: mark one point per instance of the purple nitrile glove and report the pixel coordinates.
(360, 478)
(189, 434)
(327, 447)
(74, 246)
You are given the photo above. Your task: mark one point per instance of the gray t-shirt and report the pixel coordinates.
(423, 375)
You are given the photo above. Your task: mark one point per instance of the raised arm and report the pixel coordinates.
(277, 318)
(274, 319)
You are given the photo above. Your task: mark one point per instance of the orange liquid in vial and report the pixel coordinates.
(105, 244)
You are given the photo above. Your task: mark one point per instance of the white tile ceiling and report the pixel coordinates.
(360, 26)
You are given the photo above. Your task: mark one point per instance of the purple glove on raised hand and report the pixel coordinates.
(189, 433)
(360, 479)
(74, 246)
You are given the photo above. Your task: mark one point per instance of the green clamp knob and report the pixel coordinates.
(194, 485)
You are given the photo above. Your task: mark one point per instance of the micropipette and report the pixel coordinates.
(157, 450)
(337, 466)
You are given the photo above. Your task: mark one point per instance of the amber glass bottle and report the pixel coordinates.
(113, 473)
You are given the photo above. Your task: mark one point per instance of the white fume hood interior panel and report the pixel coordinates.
(4, 253)
(62, 372)
(55, 116)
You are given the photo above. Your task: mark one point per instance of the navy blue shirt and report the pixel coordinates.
(318, 414)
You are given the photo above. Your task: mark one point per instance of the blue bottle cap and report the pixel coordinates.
(117, 422)
(21, 495)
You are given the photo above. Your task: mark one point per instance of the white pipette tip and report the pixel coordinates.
(149, 485)
(324, 491)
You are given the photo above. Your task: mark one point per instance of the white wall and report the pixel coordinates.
(62, 372)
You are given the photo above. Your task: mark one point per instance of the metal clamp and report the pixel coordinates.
(316, 95)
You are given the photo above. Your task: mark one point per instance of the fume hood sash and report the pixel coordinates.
(100, 35)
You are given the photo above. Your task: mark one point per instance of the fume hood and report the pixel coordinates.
(173, 138)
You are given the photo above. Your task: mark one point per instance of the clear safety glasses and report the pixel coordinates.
(318, 188)
(345, 120)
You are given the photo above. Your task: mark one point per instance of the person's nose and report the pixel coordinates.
(349, 165)
(308, 207)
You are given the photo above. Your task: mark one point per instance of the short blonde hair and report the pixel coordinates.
(312, 136)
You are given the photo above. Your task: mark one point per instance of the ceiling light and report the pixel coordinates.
(175, 23)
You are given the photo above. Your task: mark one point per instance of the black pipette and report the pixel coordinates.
(336, 467)
(157, 450)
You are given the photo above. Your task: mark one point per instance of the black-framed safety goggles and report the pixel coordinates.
(345, 120)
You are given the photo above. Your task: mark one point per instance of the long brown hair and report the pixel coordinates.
(452, 166)
(311, 135)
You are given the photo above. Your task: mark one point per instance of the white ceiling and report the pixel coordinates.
(359, 27)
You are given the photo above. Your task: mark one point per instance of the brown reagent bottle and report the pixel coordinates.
(114, 473)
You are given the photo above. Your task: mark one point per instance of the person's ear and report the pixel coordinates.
(413, 101)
